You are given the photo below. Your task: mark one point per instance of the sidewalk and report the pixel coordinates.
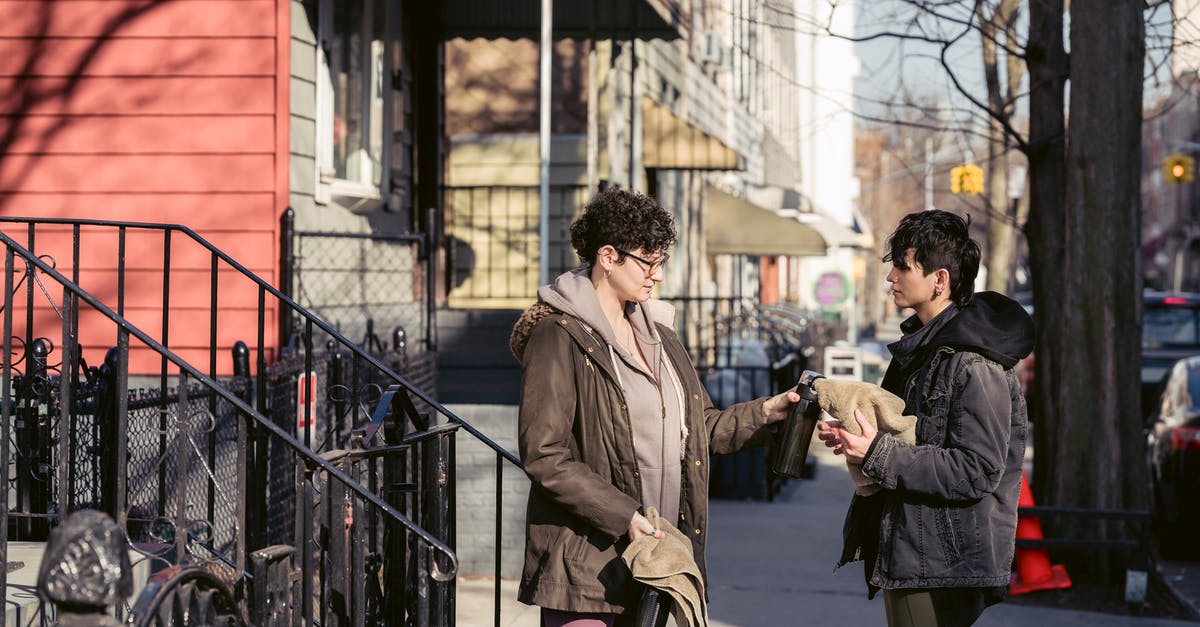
(771, 564)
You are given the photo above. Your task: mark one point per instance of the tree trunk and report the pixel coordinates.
(1096, 456)
(1047, 61)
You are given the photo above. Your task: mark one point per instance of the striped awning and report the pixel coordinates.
(670, 142)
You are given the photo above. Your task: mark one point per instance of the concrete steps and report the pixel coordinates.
(473, 359)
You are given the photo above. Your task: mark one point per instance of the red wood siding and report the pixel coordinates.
(167, 111)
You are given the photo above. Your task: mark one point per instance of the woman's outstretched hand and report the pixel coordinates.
(778, 407)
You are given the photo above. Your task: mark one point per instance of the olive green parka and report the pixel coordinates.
(576, 445)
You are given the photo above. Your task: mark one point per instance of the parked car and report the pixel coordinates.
(1170, 331)
(1173, 459)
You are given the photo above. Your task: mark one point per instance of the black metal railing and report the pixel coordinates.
(742, 350)
(264, 448)
(164, 495)
(494, 242)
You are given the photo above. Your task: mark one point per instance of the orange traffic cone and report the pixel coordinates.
(1034, 571)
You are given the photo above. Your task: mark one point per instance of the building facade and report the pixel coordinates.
(151, 112)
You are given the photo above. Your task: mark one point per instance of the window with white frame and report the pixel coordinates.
(352, 102)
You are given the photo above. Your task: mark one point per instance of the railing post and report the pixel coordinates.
(68, 383)
(303, 501)
(370, 342)
(120, 413)
(251, 529)
(31, 492)
(395, 563)
(335, 389)
(253, 444)
(374, 599)
(436, 519)
(241, 367)
(287, 262)
(109, 422)
(357, 525)
(271, 601)
(6, 415)
(183, 470)
(431, 234)
(338, 580)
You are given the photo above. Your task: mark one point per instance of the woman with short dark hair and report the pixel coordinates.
(613, 417)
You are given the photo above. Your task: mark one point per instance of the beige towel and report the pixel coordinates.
(670, 566)
(881, 408)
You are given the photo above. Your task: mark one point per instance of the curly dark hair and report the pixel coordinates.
(938, 239)
(624, 219)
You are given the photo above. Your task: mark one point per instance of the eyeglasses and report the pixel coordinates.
(647, 266)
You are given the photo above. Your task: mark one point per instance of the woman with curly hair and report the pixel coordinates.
(613, 418)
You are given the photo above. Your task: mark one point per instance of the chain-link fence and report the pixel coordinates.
(362, 281)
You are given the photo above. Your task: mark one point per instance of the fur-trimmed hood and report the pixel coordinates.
(524, 326)
(572, 293)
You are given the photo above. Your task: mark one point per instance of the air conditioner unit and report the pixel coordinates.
(711, 53)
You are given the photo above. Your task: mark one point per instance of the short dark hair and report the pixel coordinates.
(939, 240)
(624, 219)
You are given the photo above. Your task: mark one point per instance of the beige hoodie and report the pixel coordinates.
(654, 403)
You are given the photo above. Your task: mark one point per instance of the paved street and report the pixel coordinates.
(772, 564)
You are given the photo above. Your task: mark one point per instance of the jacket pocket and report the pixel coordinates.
(575, 546)
(589, 564)
(950, 533)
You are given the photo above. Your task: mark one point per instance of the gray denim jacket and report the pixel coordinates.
(948, 512)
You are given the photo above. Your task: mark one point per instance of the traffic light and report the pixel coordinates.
(1178, 169)
(966, 179)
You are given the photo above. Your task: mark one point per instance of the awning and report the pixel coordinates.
(790, 203)
(834, 234)
(577, 19)
(670, 142)
(734, 226)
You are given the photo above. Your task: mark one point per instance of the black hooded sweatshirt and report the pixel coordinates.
(991, 325)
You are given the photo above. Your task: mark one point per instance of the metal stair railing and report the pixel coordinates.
(435, 560)
(358, 398)
(308, 319)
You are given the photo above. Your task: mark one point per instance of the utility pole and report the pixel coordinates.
(547, 49)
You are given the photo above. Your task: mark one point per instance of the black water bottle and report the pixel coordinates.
(798, 431)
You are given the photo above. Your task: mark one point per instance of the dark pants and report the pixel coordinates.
(935, 607)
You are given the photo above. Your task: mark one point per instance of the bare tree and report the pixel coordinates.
(998, 23)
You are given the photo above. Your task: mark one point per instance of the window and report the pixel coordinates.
(1164, 325)
(353, 98)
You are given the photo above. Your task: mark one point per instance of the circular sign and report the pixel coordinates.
(831, 288)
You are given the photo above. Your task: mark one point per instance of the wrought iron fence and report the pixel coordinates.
(367, 489)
